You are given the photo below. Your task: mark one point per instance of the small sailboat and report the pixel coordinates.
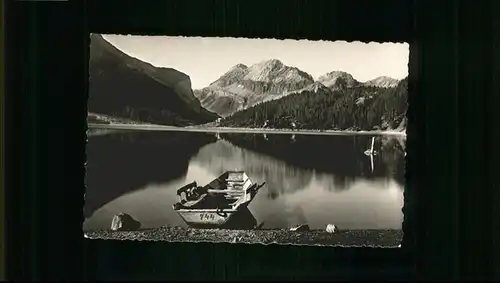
(371, 151)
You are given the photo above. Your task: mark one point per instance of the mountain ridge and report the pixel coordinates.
(126, 87)
(243, 86)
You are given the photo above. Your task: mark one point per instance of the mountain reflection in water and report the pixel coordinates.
(309, 179)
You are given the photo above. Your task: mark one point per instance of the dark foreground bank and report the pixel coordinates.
(385, 238)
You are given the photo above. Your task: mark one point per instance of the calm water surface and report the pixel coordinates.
(309, 179)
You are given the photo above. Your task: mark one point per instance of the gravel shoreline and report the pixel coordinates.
(372, 238)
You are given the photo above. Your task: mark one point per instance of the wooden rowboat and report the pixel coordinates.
(217, 202)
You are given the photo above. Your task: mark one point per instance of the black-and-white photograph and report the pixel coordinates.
(243, 140)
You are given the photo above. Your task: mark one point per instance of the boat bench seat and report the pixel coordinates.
(235, 193)
(235, 182)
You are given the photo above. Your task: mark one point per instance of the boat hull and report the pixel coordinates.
(206, 217)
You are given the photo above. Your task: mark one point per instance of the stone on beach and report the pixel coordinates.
(330, 228)
(124, 222)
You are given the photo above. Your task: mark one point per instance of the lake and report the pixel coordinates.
(309, 179)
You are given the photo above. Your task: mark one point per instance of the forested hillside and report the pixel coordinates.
(356, 108)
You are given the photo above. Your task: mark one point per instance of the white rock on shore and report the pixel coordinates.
(124, 222)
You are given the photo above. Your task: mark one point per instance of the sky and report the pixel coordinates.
(206, 59)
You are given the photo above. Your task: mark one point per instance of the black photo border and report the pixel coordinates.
(45, 114)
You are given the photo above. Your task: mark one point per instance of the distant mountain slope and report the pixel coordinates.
(382, 81)
(242, 87)
(338, 80)
(125, 87)
(357, 108)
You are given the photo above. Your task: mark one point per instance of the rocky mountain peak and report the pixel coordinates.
(274, 71)
(244, 86)
(235, 74)
(240, 66)
(330, 79)
(271, 63)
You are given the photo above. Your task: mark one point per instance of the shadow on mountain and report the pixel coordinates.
(125, 87)
(121, 163)
(341, 156)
